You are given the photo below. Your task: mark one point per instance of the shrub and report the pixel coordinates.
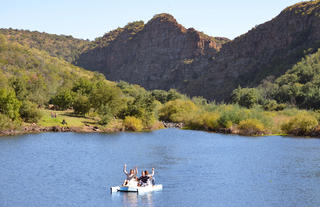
(105, 115)
(251, 127)
(132, 123)
(246, 97)
(142, 107)
(6, 123)
(160, 95)
(230, 114)
(29, 112)
(107, 96)
(9, 104)
(81, 105)
(204, 121)
(302, 124)
(115, 125)
(83, 86)
(177, 110)
(272, 105)
(63, 99)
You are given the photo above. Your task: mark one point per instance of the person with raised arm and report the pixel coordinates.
(151, 178)
(131, 177)
(146, 178)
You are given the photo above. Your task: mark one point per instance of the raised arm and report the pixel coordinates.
(136, 171)
(125, 169)
(152, 174)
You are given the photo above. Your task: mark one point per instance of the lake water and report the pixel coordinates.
(195, 168)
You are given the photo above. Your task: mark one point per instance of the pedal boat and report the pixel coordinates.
(137, 189)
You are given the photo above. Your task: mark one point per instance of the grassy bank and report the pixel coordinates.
(55, 118)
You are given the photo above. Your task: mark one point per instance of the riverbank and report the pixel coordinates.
(66, 121)
(35, 129)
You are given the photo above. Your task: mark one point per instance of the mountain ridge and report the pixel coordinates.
(160, 44)
(163, 54)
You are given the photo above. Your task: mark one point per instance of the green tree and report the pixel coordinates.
(19, 86)
(9, 104)
(173, 95)
(107, 96)
(83, 86)
(246, 97)
(160, 95)
(37, 89)
(81, 105)
(63, 99)
(142, 107)
(29, 112)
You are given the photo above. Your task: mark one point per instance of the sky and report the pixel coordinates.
(93, 18)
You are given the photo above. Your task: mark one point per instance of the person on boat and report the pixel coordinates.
(143, 179)
(151, 178)
(146, 178)
(131, 177)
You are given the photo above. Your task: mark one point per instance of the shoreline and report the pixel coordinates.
(35, 129)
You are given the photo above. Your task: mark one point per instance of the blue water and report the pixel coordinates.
(195, 168)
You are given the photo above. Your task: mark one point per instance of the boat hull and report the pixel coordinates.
(136, 189)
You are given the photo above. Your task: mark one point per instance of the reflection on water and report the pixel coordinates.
(129, 199)
(195, 169)
(134, 199)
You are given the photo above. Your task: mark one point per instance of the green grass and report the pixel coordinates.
(71, 119)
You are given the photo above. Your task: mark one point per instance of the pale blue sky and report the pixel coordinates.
(92, 18)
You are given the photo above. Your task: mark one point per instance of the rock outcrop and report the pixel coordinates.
(154, 55)
(162, 54)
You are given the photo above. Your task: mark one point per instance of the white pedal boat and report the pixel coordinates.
(136, 189)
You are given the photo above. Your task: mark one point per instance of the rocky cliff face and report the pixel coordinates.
(163, 54)
(150, 54)
(268, 49)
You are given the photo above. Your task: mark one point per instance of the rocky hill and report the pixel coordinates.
(155, 55)
(65, 47)
(269, 49)
(162, 54)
